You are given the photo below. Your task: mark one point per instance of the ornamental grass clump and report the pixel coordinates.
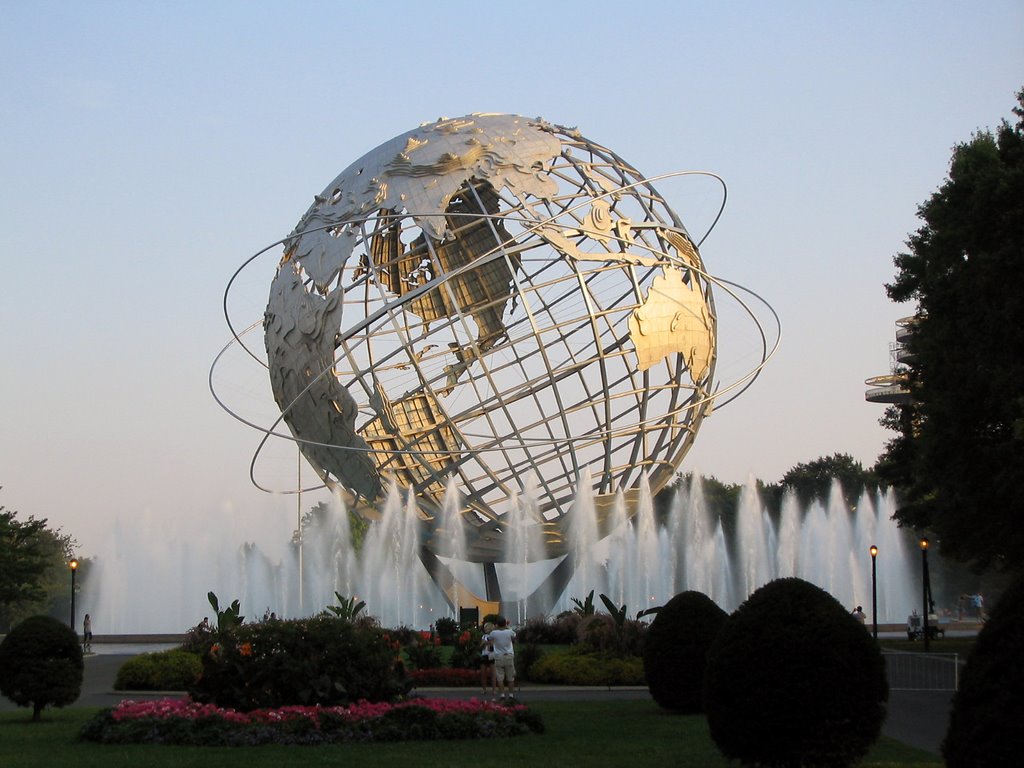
(794, 680)
(186, 722)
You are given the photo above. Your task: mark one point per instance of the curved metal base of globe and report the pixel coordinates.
(455, 592)
(458, 596)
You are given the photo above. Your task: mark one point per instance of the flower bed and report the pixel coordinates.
(445, 677)
(185, 722)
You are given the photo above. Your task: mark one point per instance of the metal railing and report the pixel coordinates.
(908, 671)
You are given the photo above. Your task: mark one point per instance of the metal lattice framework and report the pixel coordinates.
(492, 299)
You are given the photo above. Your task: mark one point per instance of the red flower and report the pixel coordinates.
(186, 709)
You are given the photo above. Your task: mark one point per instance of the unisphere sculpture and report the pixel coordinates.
(492, 302)
(490, 297)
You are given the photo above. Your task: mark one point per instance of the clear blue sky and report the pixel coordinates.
(147, 149)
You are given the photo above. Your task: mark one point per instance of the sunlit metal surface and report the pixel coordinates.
(494, 299)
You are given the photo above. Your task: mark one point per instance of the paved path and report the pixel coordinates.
(917, 718)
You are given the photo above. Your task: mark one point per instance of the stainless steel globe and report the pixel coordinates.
(491, 299)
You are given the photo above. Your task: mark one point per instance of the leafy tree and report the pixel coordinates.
(33, 568)
(813, 480)
(959, 458)
(41, 664)
(22, 559)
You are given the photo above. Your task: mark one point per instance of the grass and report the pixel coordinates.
(960, 645)
(595, 734)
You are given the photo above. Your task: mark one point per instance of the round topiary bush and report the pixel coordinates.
(41, 664)
(988, 709)
(794, 679)
(676, 649)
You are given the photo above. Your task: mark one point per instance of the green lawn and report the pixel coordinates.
(595, 734)
(960, 645)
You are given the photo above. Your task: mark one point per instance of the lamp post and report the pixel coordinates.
(73, 565)
(874, 593)
(926, 588)
(298, 528)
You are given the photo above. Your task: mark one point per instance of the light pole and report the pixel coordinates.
(73, 565)
(874, 593)
(926, 588)
(298, 528)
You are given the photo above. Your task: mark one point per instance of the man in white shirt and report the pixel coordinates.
(504, 657)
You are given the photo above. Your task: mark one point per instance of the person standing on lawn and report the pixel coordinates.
(504, 657)
(487, 660)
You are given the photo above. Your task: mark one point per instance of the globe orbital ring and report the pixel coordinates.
(594, 385)
(237, 338)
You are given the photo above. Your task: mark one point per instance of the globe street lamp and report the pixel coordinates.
(73, 565)
(926, 588)
(874, 593)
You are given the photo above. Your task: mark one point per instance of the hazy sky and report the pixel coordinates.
(147, 149)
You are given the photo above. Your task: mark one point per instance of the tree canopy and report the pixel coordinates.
(813, 480)
(33, 567)
(958, 460)
(22, 559)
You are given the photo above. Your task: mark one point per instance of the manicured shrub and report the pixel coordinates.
(41, 664)
(406, 635)
(576, 667)
(541, 630)
(172, 670)
(321, 660)
(601, 633)
(676, 649)
(447, 629)
(422, 653)
(794, 679)
(527, 654)
(466, 651)
(198, 639)
(988, 709)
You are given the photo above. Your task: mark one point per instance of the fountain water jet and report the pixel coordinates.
(644, 559)
(523, 546)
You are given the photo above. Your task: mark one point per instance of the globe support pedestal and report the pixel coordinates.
(455, 592)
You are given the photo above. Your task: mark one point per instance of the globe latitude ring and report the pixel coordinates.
(492, 302)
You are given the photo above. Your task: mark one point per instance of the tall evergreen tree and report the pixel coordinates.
(959, 457)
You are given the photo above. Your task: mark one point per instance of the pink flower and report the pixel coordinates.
(186, 709)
